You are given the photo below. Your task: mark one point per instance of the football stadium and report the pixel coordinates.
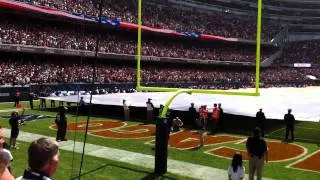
(159, 89)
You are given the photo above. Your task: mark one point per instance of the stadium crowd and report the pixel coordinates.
(161, 14)
(68, 37)
(29, 72)
(301, 52)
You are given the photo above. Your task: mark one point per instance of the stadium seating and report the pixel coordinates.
(40, 33)
(26, 72)
(167, 16)
(301, 52)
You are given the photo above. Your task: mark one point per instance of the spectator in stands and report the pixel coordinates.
(222, 78)
(300, 52)
(43, 159)
(258, 153)
(65, 37)
(236, 170)
(289, 122)
(162, 15)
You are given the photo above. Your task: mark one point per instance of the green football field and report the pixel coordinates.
(96, 168)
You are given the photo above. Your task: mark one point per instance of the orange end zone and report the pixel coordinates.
(312, 163)
(277, 151)
(131, 132)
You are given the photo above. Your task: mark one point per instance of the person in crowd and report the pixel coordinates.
(15, 122)
(258, 153)
(5, 152)
(150, 108)
(126, 110)
(215, 116)
(177, 124)
(289, 121)
(260, 121)
(271, 77)
(193, 115)
(236, 170)
(61, 122)
(43, 160)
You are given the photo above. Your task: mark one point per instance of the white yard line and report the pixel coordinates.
(176, 167)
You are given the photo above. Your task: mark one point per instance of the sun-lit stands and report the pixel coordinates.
(162, 14)
(301, 52)
(40, 33)
(42, 71)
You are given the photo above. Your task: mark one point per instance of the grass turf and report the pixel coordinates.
(94, 168)
(120, 170)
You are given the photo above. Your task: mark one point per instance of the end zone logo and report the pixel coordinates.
(31, 117)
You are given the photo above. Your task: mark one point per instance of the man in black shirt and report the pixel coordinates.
(193, 115)
(289, 121)
(258, 152)
(221, 117)
(61, 121)
(82, 106)
(150, 108)
(16, 98)
(14, 122)
(31, 98)
(260, 121)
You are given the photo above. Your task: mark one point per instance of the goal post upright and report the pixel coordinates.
(258, 48)
(139, 45)
(161, 136)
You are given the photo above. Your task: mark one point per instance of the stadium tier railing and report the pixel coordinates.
(102, 55)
